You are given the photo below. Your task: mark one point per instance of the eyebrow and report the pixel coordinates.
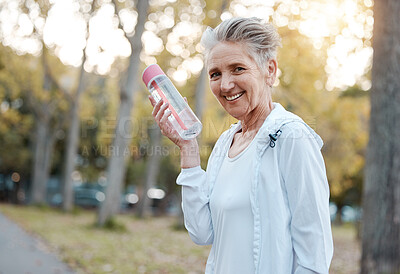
(230, 66)
(211, 71)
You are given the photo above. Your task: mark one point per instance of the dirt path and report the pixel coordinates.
(347, 254)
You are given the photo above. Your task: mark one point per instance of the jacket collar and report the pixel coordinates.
(278, 117)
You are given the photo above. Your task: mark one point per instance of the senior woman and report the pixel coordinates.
(262, 203)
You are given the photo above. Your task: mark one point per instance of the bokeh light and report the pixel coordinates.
(15, 177)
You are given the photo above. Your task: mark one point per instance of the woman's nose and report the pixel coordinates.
(227, 83)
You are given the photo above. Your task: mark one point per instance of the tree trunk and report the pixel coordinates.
(71, 145)
(381, 207)
(72, 142)
(116, 168)
(152, 170)
(43, 150)
(44, 138)
(43, 142)
(39, 178)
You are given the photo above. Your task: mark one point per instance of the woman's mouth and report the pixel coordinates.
(233, 97)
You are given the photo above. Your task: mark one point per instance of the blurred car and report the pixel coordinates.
(91, 195)
(348, 213)
(84, 196)
(88, 197)
(351, 213)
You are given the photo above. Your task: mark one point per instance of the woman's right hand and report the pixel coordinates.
(161, 114)
(190, 156)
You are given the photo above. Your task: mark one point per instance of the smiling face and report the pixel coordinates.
(240, 86)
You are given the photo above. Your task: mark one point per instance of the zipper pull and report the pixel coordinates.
(274, 137)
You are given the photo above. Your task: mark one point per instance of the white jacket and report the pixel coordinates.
(289, 198)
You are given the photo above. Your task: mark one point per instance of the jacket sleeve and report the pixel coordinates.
(195, 205)
(304, 175)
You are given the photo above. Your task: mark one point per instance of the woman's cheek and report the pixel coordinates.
(214, 88)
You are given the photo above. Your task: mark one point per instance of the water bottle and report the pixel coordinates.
(182, 117)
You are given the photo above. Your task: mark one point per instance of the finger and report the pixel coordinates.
(184, 98)
(165, 123)
(152, 101)
(164, 118)
(157, 108)
(160, 113)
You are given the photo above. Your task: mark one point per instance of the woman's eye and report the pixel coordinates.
(239, 69)
(213, 75)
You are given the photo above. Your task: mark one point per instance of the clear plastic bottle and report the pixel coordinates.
(182, 117)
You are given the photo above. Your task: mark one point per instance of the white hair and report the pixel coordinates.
(261, 39)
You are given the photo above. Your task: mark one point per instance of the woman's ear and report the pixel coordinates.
(271, 69)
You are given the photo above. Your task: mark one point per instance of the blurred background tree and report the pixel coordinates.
(116, 166)
(72, 126)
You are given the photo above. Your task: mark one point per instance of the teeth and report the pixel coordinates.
(230, 98)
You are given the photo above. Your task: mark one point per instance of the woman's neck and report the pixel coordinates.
(254, 120)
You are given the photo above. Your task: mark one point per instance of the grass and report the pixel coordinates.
(133, 245)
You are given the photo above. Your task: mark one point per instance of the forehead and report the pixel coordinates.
(226, 53)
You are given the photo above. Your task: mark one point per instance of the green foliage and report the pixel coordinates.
(96, 119)
(345, 132)
(15, 120)
(354, 92)
(76, 211)
(43, 207)
(169, 170)
(178, 226)
(113, 225)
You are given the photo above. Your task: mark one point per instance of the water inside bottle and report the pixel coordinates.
(193, 126)
(182, 118)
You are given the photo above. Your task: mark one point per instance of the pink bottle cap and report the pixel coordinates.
(150, 73)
